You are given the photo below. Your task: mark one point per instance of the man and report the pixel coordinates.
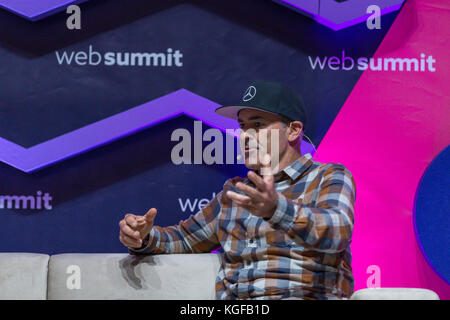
(285, 234)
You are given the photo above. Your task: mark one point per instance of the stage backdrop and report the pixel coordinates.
(86, 119)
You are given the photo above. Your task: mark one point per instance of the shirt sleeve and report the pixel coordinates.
(326, 225)
(197, 234)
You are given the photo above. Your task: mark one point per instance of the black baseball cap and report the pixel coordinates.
(270, 97)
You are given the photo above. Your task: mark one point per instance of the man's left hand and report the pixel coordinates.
(261, 201)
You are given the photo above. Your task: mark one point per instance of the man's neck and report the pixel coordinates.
(287, 159)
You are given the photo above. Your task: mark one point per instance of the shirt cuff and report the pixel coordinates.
(284, 213)
(149, 244)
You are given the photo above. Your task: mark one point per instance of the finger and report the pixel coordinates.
(130, 242)
(150, 215)
(244, 204)
(130, 219)
(125, 228)
(251, 192)
(238, 197)
(250, 209)
(257, 180)
(253, 208)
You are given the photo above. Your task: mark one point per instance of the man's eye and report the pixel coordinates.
(258, 124)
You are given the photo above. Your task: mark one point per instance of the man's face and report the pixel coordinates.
(261, 133)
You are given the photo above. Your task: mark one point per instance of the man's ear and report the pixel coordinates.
(295, 130)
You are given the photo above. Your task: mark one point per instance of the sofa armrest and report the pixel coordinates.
(23, 276)
(394, 294)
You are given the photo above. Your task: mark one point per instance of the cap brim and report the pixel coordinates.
(233, 111)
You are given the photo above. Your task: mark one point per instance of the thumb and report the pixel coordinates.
(150, 215)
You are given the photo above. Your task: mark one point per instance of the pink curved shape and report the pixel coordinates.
(390, 128)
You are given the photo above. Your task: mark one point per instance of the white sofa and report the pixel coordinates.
(124, 276)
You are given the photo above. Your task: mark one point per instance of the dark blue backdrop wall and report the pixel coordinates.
(225, 45)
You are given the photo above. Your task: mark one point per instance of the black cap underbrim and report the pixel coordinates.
(232, 112)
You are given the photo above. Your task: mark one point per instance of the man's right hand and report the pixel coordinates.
(134, 229)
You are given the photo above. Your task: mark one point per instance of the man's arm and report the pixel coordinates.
(194, 235)
(326, 226)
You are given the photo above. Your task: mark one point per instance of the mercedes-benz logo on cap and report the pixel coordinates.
(249, 94)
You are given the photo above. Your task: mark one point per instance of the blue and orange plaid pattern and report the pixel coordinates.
(303, 251)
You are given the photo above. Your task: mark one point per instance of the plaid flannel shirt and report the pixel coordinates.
(303, 251)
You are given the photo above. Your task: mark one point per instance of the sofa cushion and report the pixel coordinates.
(23, 276)
(124, 276)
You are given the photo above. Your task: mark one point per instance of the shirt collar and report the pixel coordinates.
(296, 168)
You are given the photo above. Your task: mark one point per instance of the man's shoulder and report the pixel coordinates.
(330, 168)
(335, 173)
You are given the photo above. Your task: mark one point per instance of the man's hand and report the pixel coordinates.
(134, 229)
(262, 201)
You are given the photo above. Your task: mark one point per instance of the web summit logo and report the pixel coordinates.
(37, 202)
(423, 63)
(170, 58)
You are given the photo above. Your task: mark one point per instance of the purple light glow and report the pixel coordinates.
(37, 9)
(116, 127)
(337, 16)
